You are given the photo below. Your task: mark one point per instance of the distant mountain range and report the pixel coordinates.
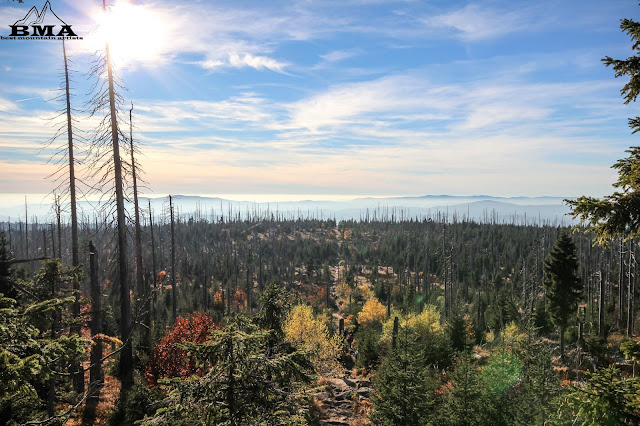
(479, 208)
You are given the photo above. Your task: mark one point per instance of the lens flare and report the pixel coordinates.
(135, 33)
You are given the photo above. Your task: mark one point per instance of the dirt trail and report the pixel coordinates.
(108, 396)
(345, 399)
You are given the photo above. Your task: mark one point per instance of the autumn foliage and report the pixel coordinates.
(218, 299)
(372, 312)
(239, 300)
(311, 334)
(168, 359)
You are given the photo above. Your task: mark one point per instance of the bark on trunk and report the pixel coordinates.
(174, 298)
(126, 355)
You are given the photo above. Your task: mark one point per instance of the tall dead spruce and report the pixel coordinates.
(65, 178)
(141, 289)
(110, 172)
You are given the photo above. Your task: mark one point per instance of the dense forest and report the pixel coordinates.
(267, 320)
(242, 318)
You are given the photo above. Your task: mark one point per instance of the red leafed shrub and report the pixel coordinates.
(167, 359)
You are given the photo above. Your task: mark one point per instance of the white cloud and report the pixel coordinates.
(490, 104)
(339, 55)
(211, 64)
(476, 22)
(257, 62)
(6, 105)
(468, 164)
(362, 101)
(331, 60)
(248, 109)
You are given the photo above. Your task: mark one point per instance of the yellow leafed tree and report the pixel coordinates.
(425, 324)
(428, 321)
(372, 312)
(305, 331)
(366, 292)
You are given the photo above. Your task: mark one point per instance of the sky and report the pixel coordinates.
(334, 99)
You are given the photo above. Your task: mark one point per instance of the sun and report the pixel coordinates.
(134, 33)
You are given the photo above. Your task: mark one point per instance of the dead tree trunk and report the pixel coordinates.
(630, 289)
(153, 264)
(26, 229)
(601, 324)
(53, 240)
(78, 376)
(138, 232)
(58, 217)
(174, 298)
(141, 289)
(126, 355)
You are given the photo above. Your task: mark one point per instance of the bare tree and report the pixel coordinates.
(65, 177)
(173, 264)
(110, 172)
(136, 208)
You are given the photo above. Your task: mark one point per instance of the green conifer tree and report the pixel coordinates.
(457, 332)
(368, 348)
(273, 312)
(541, 318)
(605, 399)
(616, 215)
(241, 381)
(562, 284)
(30, 354)
(539, 383)
(404, 387)
(467, 402)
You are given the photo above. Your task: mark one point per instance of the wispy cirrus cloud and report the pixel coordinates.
(6, 105)
(257, 62)
(396, 100)
(238, 113)
(451, 165)
(477, 21)
(355, 102)
(339, 55)
(333, 59)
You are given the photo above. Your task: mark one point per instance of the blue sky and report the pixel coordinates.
(331, 98)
